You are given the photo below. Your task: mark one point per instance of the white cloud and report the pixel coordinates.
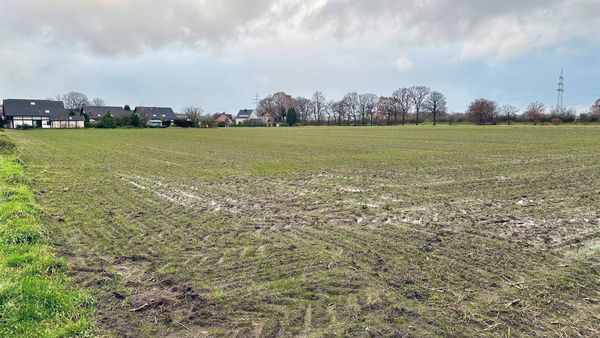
(404, 64)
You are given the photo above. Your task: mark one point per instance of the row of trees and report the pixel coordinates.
(357, 109)
(484, 111)
(416, 105)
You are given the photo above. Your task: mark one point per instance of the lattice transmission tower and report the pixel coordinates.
(561, 91)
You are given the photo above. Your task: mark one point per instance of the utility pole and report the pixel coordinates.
(561, 92)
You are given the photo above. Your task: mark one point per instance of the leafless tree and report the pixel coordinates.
(386, 108)
(595, 108)
(483, 111)
(74, 100)
(366, 105)
(193, 113)
(339, 111)
(97, 102)
(435, 104)
(350, 104)
(509, 113)
(304, 108)
(318, 106)
(535, 112)
(329, 111)
(418, 95)
(276, 105)
(402, 103)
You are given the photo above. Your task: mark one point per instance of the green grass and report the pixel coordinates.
(35, 295)
(422, 231)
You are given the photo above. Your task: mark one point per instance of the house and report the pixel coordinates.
(95, 113)
(245, 115)
(39, 114)
(223, 119)
(156, 113)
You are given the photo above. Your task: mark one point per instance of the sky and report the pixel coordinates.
(219, 54)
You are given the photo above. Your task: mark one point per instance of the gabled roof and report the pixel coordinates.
(217, 115)
(33, 107)
(156, 113)
(244, 113)
(65, 115)
(95, 112)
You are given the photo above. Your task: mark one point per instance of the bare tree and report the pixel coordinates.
(418, 95)
(483, 111)
(402, 103)
(193, 114)
(338, 110)
(367, 103)
(595, 108)
(350, 104)
(435, 104)
(304, 108)
(318, 106)
(509, 113)
(535, 112)
(276, 106)
(386, 108)
(97, 102)
(74, 100)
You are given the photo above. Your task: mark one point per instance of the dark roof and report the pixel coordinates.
(32, 107)
(65, 115)
(244, 113)
(156, 113)
(95, 112)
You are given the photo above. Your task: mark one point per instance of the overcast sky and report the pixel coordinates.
(219, 53)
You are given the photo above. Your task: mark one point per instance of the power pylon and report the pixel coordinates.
(561, 91)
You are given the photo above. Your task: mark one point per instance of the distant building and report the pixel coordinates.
(39, 114)
(156, 113)
(245, 115)
(222, 118)
(96, 113)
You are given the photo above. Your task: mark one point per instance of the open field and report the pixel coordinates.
(327, 231)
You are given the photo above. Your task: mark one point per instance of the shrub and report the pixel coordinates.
(135, 120)
(107, 121)
(556, 121)
(185, 123)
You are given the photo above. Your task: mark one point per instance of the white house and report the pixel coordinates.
(245, 115)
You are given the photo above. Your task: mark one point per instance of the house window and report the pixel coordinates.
(47, 111)
(33, 103)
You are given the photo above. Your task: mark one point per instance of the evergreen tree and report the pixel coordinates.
(108, 121)
(291, 117)
(135, 120)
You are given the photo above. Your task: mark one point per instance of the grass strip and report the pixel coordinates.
(36, 298)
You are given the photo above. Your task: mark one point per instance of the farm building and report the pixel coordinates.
(97, 112)
(39, 114)
(222, 118)
(156, 113)
(245, 115)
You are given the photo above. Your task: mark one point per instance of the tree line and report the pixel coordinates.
(405, 105)
(409, 105)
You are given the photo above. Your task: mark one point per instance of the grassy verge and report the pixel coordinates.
(35, 296)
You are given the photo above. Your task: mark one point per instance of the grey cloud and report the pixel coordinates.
(113, 27)
(124, 27)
